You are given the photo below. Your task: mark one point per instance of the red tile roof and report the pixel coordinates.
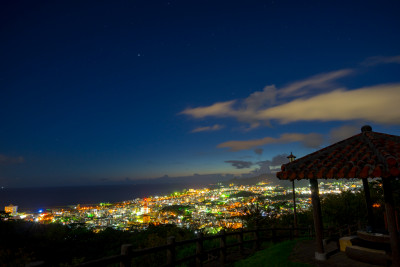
(365, 155)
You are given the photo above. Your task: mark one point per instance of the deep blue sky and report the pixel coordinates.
(100, 92)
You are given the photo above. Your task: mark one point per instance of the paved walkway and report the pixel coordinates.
(304, 252)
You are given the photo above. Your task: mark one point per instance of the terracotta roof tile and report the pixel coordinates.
(365, 155)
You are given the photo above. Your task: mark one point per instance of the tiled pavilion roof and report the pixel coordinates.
(365, 155)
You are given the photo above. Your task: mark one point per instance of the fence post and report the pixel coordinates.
(199, 250)
(241, 241)
(171, 251)
(126, 252)
(222, 246)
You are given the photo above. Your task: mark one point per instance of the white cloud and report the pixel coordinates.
(268, 166)
(220, 109)
(215, 127)
(377, 104)
(372, 61)
(320, 81)
(313, 140)
(248, 110)
(260, 99)
(240, 164)
(317, 98)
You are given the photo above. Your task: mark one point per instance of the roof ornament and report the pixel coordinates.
(366, 128)
(291, 157)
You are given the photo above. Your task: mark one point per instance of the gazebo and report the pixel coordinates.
(365, 155)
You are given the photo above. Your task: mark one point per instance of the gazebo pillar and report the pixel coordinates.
(319, 234)
(391, 221)
(368, 202)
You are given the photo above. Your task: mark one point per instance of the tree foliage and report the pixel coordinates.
(243, 194)
(343, 209)
(177, 209)
(260, 214)
(23, 242)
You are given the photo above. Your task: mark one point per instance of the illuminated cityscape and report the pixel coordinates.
(11, 209)
(206, 209)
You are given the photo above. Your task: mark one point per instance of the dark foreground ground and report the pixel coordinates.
(303, 252)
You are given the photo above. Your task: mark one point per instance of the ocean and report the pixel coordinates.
(33, 199)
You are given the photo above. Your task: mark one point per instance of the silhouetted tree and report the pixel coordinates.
(343, 209)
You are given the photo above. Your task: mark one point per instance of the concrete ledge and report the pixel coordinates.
(368, 255)
(346, 241)
(320, 256)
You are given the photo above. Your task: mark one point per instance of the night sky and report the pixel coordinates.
(107, 92)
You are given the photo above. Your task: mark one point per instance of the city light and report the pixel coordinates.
(206, 209)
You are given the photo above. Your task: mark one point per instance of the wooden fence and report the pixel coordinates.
(259, 235)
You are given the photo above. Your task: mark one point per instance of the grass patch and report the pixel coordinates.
(276, 255)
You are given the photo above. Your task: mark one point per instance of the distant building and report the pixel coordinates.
(145, 209)
(146, 218)
(11, 209)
